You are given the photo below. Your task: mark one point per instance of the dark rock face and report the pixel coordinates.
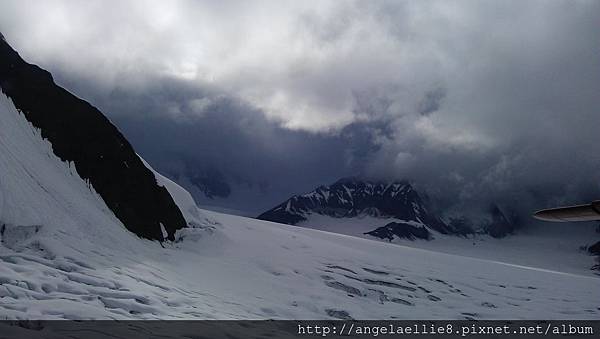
(500, 225)
(595, 248)
(352, 197)
(401, 230)
(461, 226)
(82, 134)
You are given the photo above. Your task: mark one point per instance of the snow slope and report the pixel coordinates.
(182, 198)
(63, 255)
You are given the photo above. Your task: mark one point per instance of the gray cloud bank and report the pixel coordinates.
(475, 101)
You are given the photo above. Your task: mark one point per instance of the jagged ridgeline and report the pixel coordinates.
(350, 197)
(81, 134)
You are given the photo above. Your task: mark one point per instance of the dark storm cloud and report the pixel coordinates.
(187, 131)
(474, 101)
(519, 118)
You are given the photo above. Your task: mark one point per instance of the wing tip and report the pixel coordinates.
(589, 212)
(546, 215)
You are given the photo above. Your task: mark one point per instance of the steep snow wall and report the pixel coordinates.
(38, 189)
(81, 134)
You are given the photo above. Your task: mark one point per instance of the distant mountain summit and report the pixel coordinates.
(356, 197)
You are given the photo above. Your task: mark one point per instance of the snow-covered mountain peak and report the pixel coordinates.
(355, 197)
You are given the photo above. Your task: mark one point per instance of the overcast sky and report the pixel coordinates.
(475, 101)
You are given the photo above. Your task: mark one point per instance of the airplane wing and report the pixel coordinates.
(589, 212)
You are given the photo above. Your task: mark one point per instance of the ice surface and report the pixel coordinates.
(554, 247)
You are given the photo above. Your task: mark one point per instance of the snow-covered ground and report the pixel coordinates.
(550, 246)
(63, 255)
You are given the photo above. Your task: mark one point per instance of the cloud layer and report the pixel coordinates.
(475, 101)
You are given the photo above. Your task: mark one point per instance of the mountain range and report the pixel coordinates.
(398, 202)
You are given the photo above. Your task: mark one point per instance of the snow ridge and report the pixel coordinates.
(81, 134)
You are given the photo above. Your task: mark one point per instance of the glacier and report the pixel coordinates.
(64, 255)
